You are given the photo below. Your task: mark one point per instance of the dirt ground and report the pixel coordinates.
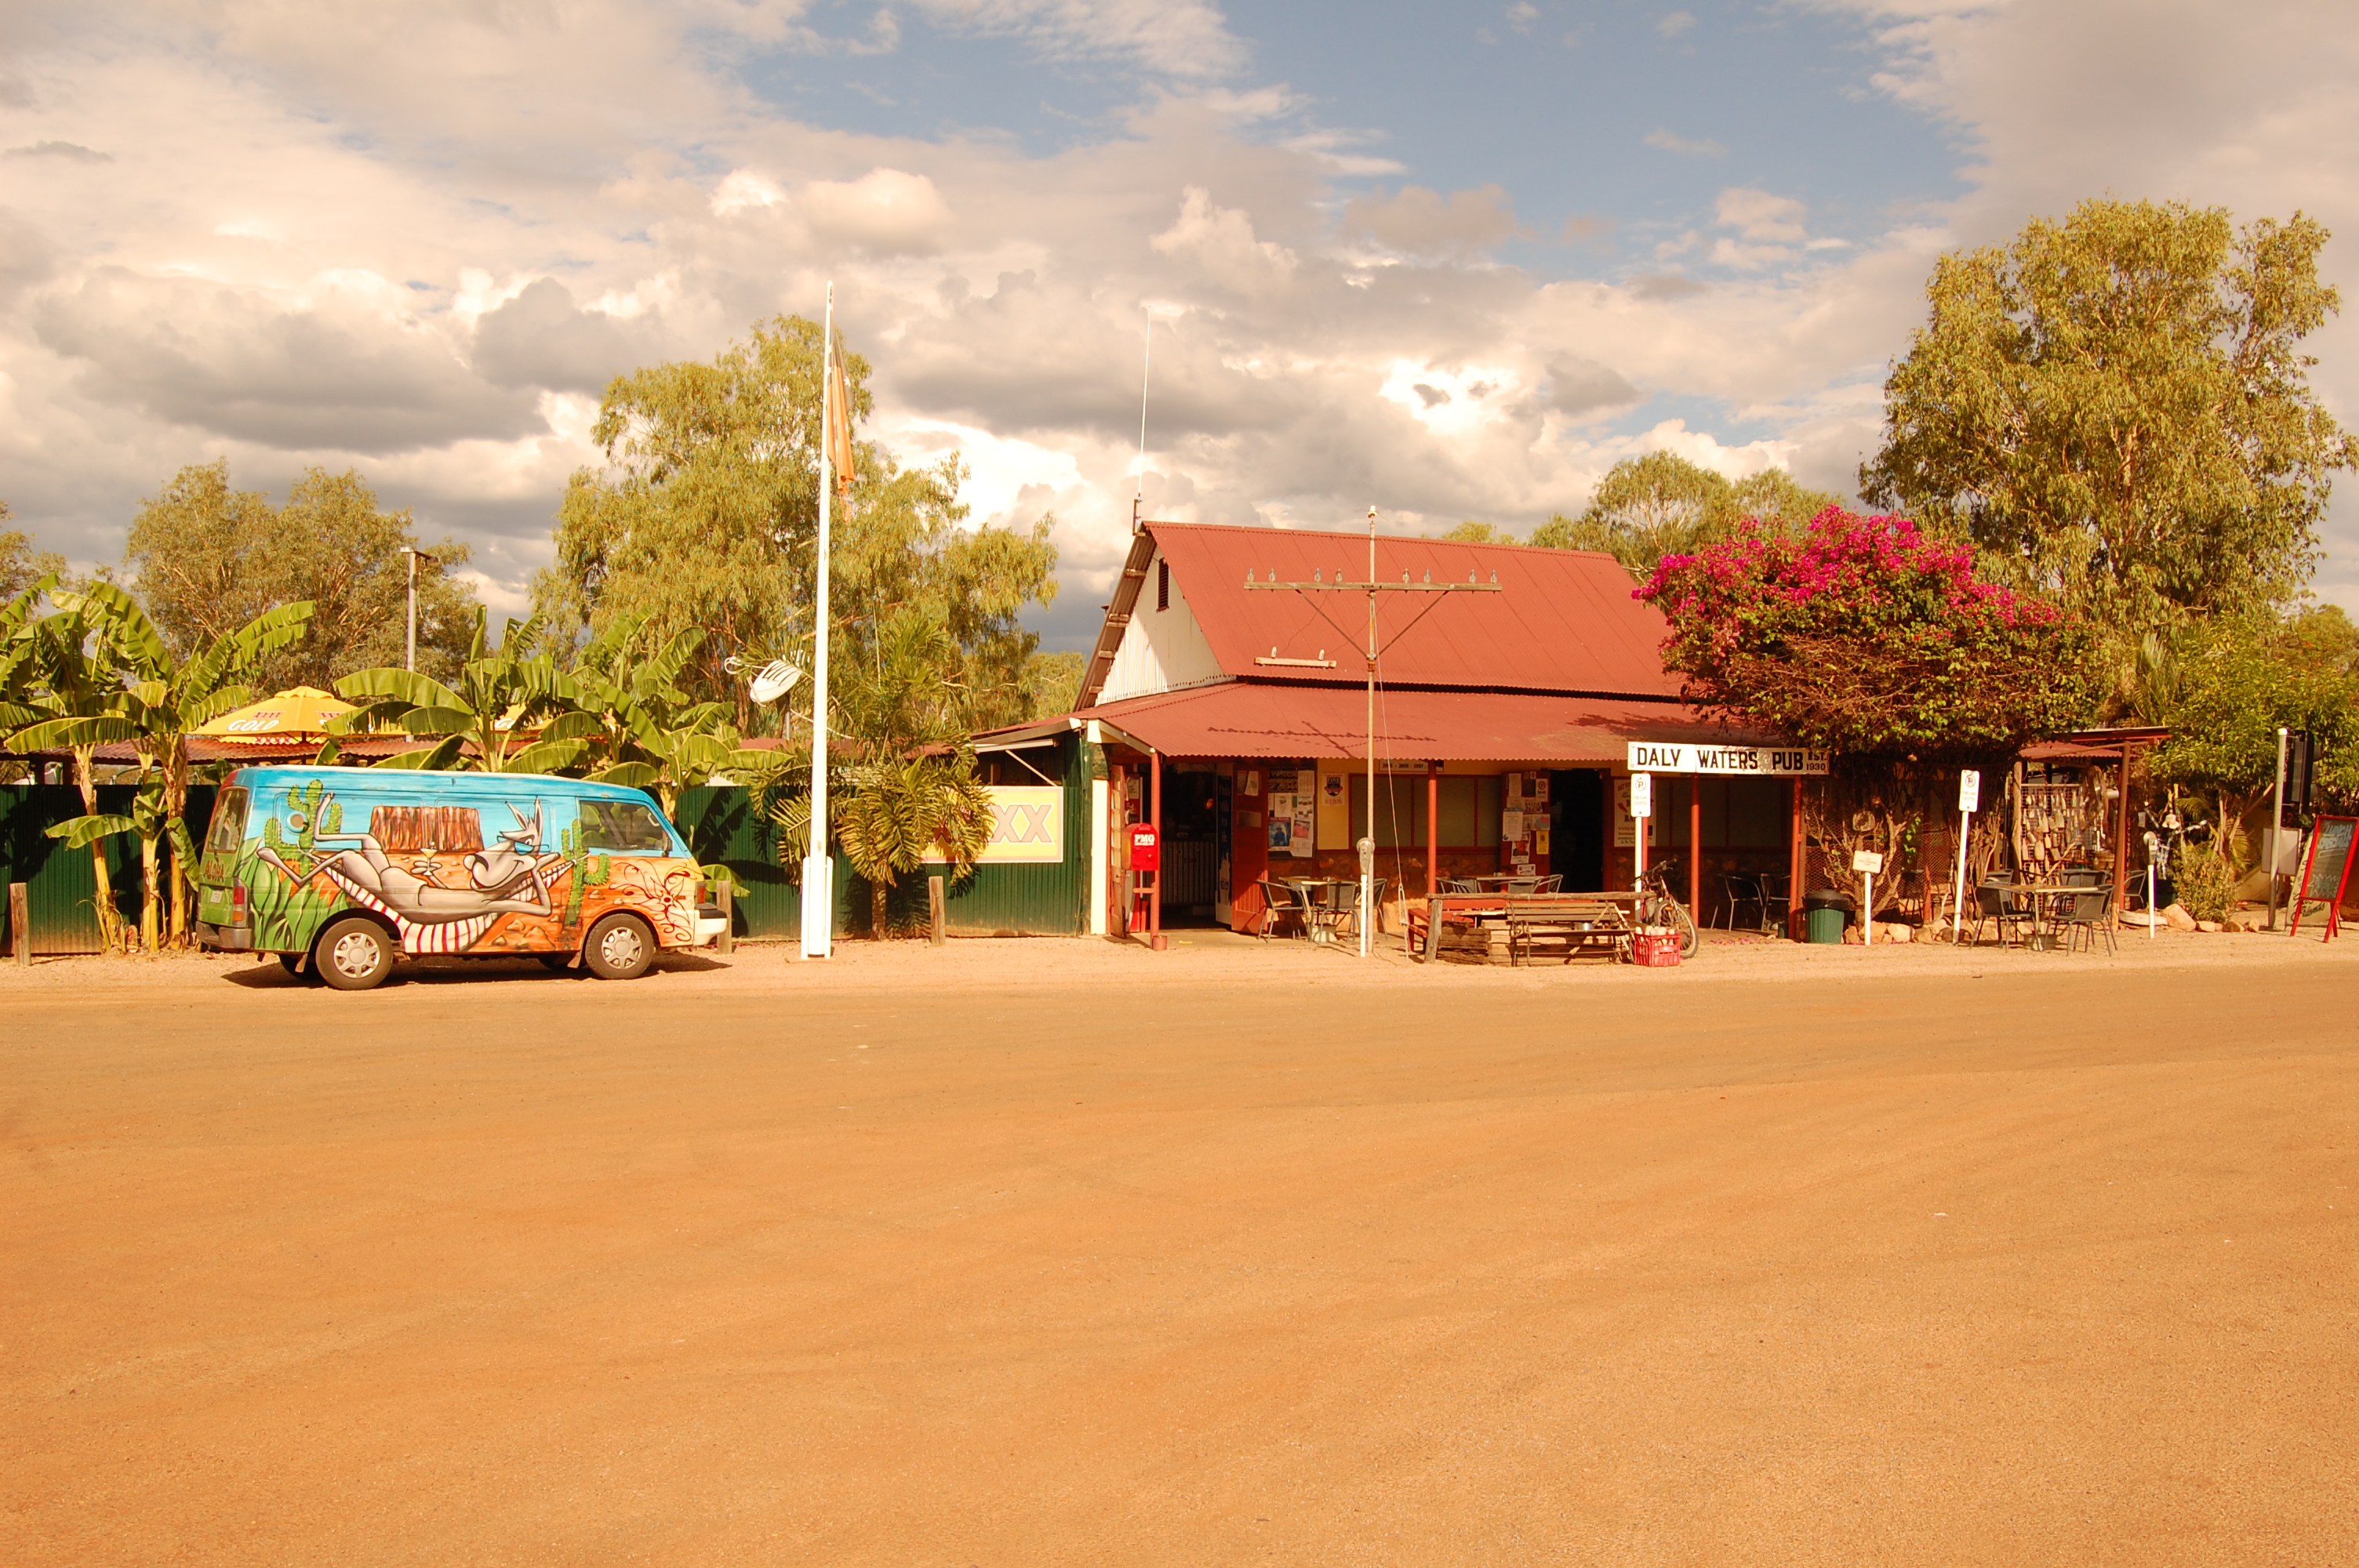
(1062, 1252)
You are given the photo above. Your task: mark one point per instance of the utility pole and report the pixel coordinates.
(2277, 825)
(1318, 585)
(410, 648)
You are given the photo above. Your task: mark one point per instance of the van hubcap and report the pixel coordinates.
(619, 948)
(355, 954)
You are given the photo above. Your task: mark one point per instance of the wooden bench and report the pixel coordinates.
(1566, 924)
(1496, 928)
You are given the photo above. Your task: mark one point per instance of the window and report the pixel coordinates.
(1470, 810)
(622, 826)
(1163, 584)
(227, 834)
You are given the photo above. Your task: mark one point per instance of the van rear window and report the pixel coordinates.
(621, 824)
(228, 831)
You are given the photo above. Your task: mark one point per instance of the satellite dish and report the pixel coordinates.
(775, 679)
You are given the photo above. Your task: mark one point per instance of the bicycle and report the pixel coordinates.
(1659, 905)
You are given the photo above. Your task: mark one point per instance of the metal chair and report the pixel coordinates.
(1461, 884)
(1521, 887)
(2091, 915)
(1741, 887)
(1280, 900)
(1343, 910)
(1996, 901)
(1552, 884)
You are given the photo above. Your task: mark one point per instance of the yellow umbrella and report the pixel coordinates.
(305, 711)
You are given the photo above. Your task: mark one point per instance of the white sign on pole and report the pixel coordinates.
(1866, 861)
(1642, 794)
(1648, 756)
(1970, 800)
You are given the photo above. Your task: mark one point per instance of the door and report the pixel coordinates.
(1577, 827)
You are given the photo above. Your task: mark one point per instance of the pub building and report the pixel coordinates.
(1235, 721)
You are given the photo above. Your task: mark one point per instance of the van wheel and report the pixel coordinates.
(620, 947)
(353, 955)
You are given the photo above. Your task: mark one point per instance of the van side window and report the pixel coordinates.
(227, 834)
(622, 826)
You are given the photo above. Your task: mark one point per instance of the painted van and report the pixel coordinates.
(339, 870)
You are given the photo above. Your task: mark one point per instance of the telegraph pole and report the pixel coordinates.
(1366, 846)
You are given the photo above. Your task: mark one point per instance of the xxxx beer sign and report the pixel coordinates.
(1650, 757)
(1027, 826)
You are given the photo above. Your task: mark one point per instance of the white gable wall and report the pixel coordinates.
(1161, 649)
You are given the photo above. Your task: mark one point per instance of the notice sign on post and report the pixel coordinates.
(1642, 794)
(1970, 790)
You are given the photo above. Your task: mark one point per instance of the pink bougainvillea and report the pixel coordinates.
(1864, 636)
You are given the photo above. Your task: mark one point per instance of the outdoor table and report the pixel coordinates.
(2042, 899)
(1319, 900)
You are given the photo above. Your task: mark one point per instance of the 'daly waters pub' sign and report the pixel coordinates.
(1650, 757)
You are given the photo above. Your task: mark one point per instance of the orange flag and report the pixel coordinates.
(839, 430)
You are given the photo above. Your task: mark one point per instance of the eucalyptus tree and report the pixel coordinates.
(1662, 503)
(705, 513)
(2117, 409)
(207, 559)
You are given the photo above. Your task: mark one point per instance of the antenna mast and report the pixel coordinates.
(1145, 365)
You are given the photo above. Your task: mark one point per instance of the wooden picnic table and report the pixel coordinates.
(1518, 927)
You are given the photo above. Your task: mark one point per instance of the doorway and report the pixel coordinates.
(1577, 827)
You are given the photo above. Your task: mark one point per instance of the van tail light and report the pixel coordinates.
(237, 905)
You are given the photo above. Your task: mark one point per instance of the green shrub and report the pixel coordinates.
(2205, 881)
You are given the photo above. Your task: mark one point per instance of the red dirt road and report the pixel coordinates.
(2040, 1267)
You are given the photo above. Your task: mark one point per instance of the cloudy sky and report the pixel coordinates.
(1452, 260)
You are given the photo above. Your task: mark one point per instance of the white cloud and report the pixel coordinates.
(1678, 22)
(1670, 142)
(420, 242)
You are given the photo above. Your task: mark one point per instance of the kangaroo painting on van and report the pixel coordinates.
(340, 870)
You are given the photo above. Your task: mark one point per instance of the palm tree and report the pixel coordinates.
(157, 702)
(476, 722)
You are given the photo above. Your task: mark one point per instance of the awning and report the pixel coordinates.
(1242, 719)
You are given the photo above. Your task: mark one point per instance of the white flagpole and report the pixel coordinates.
(819, 890)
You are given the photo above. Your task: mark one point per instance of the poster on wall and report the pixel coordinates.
(1281, 820)
(1626, 827)
(1306, 825)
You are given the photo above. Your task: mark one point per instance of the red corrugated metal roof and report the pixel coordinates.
(1563, 619)
(1242, 719)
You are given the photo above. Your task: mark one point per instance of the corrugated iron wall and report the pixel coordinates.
(60, 885)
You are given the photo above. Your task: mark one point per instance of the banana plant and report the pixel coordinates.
(651, 735)
(59, 696)
(476, 722)
(155, 702)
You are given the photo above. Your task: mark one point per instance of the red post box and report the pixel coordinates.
(1146, 849)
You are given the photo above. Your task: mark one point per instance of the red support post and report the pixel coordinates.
(1154, 814)
(1432, 832)
(1694, 783)
(1796, 859)
(2122, 841)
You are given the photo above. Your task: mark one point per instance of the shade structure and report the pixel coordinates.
(302, 711)
(1239, 719)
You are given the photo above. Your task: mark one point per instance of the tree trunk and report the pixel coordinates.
(151, 898)
(110, 921)
(876, 910)
(176, 813)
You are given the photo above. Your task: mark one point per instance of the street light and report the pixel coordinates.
(409, 655)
